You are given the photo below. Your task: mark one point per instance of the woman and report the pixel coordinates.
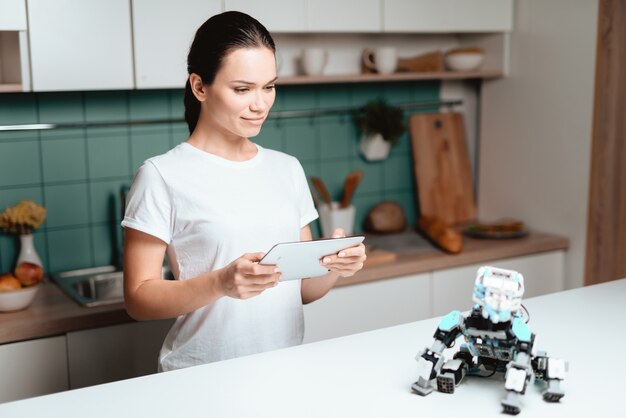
(214, 203)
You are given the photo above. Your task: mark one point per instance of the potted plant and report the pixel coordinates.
(381, 126)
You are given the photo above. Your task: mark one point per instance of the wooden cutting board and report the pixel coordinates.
(378, 256)
(442, 167)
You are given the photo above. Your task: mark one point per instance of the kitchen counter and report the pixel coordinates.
(53, 313)
(370, 374)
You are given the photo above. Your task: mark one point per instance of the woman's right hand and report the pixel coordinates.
(245, 277)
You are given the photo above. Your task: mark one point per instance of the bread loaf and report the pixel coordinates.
(440, 233)
(385, 218)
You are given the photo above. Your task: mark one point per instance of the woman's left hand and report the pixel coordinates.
(346, 262)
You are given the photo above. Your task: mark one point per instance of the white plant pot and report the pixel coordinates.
(374, 147)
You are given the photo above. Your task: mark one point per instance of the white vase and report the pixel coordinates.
(374, 147)
(28, 253)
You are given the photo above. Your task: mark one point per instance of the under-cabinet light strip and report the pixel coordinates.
(272, 115)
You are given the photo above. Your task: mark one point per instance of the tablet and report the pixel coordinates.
(301, 259)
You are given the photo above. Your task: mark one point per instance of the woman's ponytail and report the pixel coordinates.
(192, 108)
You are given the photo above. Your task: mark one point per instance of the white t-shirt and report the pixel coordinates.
(210, 211)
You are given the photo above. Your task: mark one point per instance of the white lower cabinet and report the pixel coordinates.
(116, 352)
(453, 288)
(368, 306)
(33, 368)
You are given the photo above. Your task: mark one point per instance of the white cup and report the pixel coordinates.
(332, 218)
(314, 60)
(384, 60)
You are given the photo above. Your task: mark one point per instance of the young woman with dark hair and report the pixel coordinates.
(214, 204)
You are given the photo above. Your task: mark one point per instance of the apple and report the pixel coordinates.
(9, 282)
(28, 273)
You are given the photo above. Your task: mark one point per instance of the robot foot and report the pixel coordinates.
(421, 390)
(511, 405)
(445, 383)
(510, 409)
(552, 395)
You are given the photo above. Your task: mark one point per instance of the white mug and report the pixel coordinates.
(385, 59)
(314, 60)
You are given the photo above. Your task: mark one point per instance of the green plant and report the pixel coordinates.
(378, 117)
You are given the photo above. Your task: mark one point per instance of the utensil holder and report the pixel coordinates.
(332, 217)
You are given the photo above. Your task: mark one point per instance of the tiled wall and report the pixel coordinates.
(77, 173)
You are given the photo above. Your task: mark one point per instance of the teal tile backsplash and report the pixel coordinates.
(77, 173)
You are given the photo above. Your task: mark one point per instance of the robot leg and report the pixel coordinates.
(518, 375)
(552, 371)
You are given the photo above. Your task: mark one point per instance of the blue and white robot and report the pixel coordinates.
(497, 339)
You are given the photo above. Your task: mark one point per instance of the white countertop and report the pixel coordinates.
(370, 374)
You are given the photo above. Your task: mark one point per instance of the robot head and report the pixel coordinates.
(499, 292)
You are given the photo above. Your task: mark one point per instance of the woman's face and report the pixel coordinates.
(243, 92)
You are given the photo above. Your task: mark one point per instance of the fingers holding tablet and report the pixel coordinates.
(347, 261)
(245, 277)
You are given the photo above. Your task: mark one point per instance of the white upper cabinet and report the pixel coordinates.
(344, 16)
(12, 14)
(162, 34)
(275, 15)
(80, 44)
(447, 15)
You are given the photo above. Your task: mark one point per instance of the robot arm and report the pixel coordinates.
(430, 360)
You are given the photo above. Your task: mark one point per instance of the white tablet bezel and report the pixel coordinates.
(301, 259)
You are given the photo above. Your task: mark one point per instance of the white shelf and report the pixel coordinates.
(364, 78)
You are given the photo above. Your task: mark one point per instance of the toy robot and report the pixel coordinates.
(497, 339)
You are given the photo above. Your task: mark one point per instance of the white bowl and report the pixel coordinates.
(14, 300)
(464, 61)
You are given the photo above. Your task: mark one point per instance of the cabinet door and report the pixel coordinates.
(480, 15)
(162, 34)
(344, 16)
(367, 306)
(275, 15)
(12, 15)
(453, 288)
(80, 44)
(113, 353)
(33, 368)
(447, 15)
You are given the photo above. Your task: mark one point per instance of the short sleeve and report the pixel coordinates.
(148, 204)
(308, 213)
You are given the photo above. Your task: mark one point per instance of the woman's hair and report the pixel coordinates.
(215, 39)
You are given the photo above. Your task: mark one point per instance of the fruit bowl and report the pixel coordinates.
(467, 59)
(14, 300)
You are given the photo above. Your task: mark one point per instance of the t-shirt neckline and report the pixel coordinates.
(224, 161)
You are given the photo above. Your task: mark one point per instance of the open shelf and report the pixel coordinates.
(363, 78)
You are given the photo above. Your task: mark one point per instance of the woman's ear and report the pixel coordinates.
(197, 87)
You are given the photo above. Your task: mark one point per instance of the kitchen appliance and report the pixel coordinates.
(441, 167)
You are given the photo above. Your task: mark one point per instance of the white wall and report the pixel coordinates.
(536, 125)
